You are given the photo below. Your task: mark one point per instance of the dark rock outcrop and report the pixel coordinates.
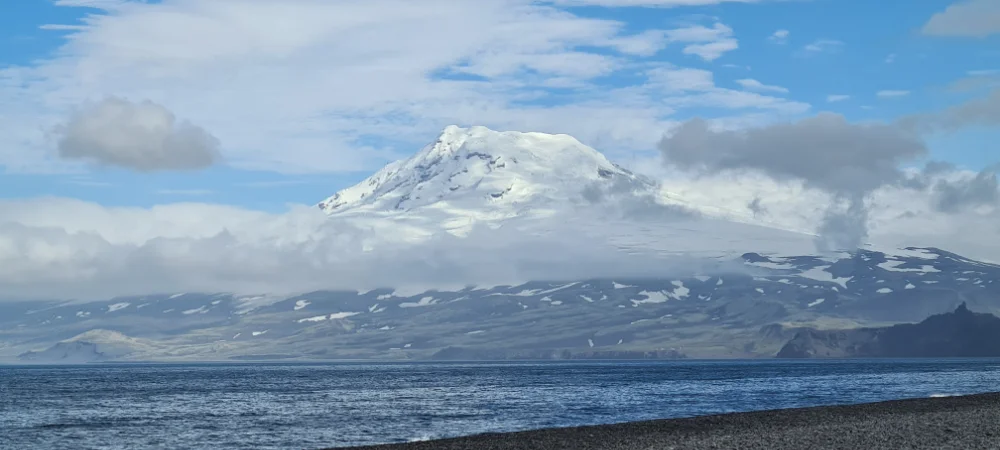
(961, 333)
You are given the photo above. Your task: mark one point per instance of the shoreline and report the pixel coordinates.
(956, 422)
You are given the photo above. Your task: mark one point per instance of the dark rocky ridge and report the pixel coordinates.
(961, 333)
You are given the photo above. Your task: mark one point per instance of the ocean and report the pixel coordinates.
(311, 406)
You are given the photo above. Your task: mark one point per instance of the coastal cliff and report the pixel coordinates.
(961, 333)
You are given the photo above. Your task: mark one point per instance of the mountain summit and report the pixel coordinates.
(478, 168)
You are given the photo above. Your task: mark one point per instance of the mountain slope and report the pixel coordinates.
(480, 168)
(748, 308)
(540, 185)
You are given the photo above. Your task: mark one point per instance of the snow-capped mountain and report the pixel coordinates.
(480, 169)
(541, 183)
(751, 288)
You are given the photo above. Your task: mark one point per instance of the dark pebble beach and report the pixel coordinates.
(962, 422)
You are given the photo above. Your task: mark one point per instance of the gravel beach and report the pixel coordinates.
(964, 422)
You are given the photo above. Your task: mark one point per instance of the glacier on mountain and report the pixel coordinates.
(476, 168)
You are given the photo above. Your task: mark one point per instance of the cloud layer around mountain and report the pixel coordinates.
(214, 248)
(107, 251)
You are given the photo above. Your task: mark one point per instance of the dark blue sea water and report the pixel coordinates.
(313, 406)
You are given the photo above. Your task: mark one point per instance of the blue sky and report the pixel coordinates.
(288, 133)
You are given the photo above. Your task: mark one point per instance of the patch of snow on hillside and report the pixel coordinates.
(426, 301)
(909, 286)
(820, 274)
(342, 315)
(651, 297)
(914, 253)
(527, 293)
(893, 266)
(199, 310)
(587, 299)
(884, 291)
(177, 295)
(817, 302)
(559, 288)
(299, 304)
(118, 306)
(259, 333)
(680, 291)
(616, 285)
(771, 265)
(313, 319)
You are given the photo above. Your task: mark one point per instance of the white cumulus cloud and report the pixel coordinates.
(142, 136)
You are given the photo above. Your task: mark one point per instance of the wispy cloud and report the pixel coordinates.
(833, 98)
(891, 93)
(708, 43)
(650, 3)
(890, 59)
(274, 183)
(754, 85)
(62, 27)
(823, 46)
(976, 80)
(779, 37)
(190, 192)
(88, 183)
